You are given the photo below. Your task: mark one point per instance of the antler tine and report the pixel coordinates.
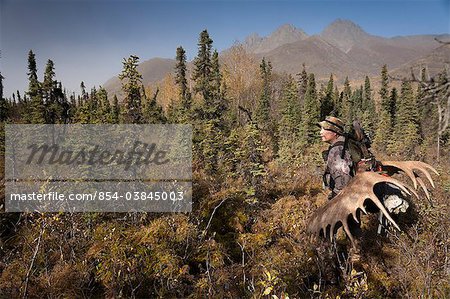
(429, 167)
(407, 189)
(424, 188)
(349, 234)
(423, 167)
(331, 232)
(377, 202)
(408, 168)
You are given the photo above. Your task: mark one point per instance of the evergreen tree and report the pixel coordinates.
(337, 103)
(386, 100)
(393, 99)
(47, 84)
(216, 76)
(181, 79)
(384, 90)
(83, 90)
(386, 114)
(347, 111)
(302, 83)
(357, 103)
(311, 113)
(290, 122)
(210, 128)
(3, 103)
(217, 106)
(1, 85)
(94, 106)
(104, 112)
(37, 110)
(115, 111)
(208, 82)
(84, 111)
(52, 95)
(406, 130)
(131, 85)
(327, 102)
(369, 115)
(262, 115)
(153, 112)
(383, 131)
(202, 66)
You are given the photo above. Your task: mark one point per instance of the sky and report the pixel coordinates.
(88, 39)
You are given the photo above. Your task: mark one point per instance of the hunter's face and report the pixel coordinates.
(327, 136)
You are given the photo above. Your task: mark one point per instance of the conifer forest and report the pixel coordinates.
(256, 177)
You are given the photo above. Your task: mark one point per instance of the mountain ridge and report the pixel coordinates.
(342, 48)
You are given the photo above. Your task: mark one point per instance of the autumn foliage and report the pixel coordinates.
(257, 170)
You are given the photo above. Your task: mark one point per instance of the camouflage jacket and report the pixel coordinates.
(338, 170)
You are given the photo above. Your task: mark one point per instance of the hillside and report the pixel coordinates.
(342, 48)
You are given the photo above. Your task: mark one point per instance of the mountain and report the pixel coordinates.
(283, 35)
(344, 34)
(319, 56)
(434, 61)
(342, 48)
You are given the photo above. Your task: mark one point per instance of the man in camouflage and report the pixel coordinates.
(338, 172)
(339, 164)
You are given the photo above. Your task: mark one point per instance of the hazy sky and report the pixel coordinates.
(87, 39)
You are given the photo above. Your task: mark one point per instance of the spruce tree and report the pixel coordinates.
(337, 103)
(302, 83)
(384, 89)
(1, 85)
(210, 127)
(181, 80)
(290, 122)
(83, 90)
(131, 86)
(383, 133)
(357, 103)
(48, 83)
(52, 96)
(347, 111)
(327, 101)
(218, 105)
(104, 114)
(153, 112)
(3, 104)
(386, 100)
(262, 115)
(115, 111)
(202, 66)
(369, 115)
(393, 99)
(406, 130)
(311, 113)
(37, 109)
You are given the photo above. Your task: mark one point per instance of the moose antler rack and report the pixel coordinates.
(355, 196)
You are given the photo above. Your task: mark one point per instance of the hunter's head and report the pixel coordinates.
(331, 128)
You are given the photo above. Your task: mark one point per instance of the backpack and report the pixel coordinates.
(358, 144)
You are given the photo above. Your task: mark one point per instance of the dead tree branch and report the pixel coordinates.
(441, 41)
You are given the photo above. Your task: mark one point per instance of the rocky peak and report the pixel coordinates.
(344, 34)
(285, 34)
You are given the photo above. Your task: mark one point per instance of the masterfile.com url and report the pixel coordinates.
(53, 196)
